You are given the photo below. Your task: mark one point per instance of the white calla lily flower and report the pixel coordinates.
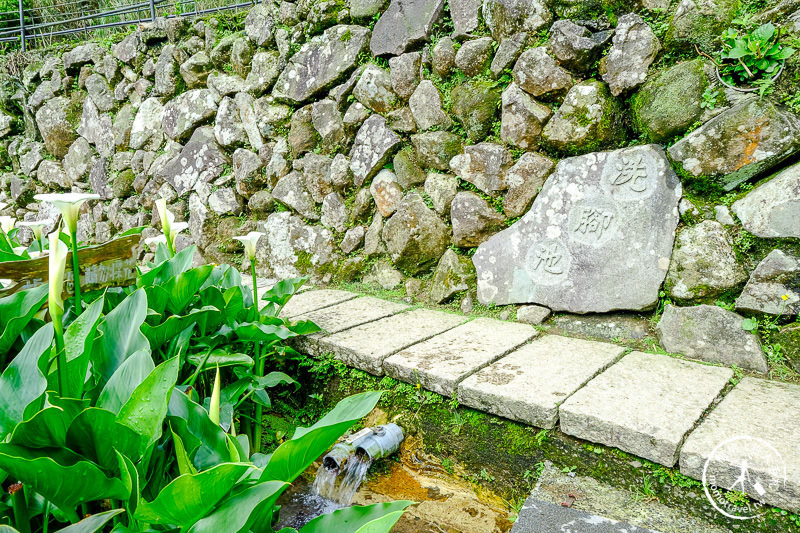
(7, 223)
(153, 242)
(249, 241)
(69, 204)
(36, 226)
(58, 262)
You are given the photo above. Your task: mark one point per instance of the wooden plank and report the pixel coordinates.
(112, 264)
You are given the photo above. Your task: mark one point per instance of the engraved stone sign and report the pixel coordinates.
(597, 238)
(112, 264)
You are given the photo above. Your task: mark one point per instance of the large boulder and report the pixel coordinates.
(147, 132)
(426, 107)
(187, 111)
(200, 160)
(97, 128)
(292, 248)
(291, 191)
(57, 120)
(474, 56)
(525, 179)
(404, 72)
(475, 106)
(474, 220)
(374, 90)
(465, 15)
(669, 104)
(372, 147)
(82, 55)
(703, 263)
(228, 127)
(264, 70)
(743, 141)
(196, 69)
(100, 93)
(538, 74)
(523, 118)
(700, 22)
(575, 47)
(404, 24)
(773, 208)
(712, 334)
(507, 17)
(415, 236)
(598, 237)
(386, 192)
(454, 274)
(435, 149)
(259, 25)
(484, 165)
(588, 119)
(634, 48)
(321, 63)
(773, 287)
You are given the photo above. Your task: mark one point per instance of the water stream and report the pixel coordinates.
(340, 485)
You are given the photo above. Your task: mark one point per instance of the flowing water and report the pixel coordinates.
(331, 485)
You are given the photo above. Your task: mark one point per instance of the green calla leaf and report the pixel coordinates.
(92, 523)
(167, 270)
(160, 334)
(16, 311)
(130, 374)
(79, 339)
(96, 435)
(221, 358)
(379, 517)
(204, 440)
(121, 336)
(241, 510)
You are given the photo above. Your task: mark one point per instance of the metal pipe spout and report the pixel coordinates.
(382, 441)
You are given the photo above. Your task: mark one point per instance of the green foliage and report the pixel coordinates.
(752, 56)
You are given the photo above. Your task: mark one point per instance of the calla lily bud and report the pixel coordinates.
(58, 262)
(250, 241)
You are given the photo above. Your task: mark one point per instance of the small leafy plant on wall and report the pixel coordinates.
(751, 61)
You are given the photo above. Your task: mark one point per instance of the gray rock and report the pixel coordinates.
(291, 192)
(507, 17)
(700, 22)
(776, 277)
(56, 122)
(334, 212)
(465, 15)
(426, 107)
(166, 73)
(241, 56)
(129, 48)
(474, 220)
(286, 237)
(228, 127)
(248, 170)
(264, 71)
(404, 24)
(538, 74)
(484, 165)
(525, 179)
(302, 135)
(122, 126)
(532, 314)
(384, 275)
(260, 24)
(386, 192)
(725, 149)
(443, 57)
(575, 47)
(22, 191)
(98, 179)
(523, 118)
(407, 169)
(441, 189)
(598, 237)
(224, 201)
(710, 333)
(52, 174)
(475, 105)
(100, 93)
(201, 160)
(669, 104)
(226, 84)
(316, 169)
(362, 10)
(374, 90)
(79, 160)
(588, 119)
(353, 239)
(401, 120)
(147, 132)
(723, 215)
(187, 111)
(320, 63)
(703, 263)
(250, 119)
(435, 149)
(454, 274)
(327, 120)
(31, 154)
(415, 237)
(221, 51)
(339, 175)
(96, 128)
(404, 73)
(507, 54)
(634, 48)
(474, 56)
(261, 202)
(771, 209)
(373, 243)
(372, 147)
(652, 423)
(354, 116)
(82, 55)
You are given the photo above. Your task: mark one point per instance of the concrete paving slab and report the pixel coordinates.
(544, 517)
(343, 316)
(308, 301)
(645, 404)
(441, 362)
(530, 383)
(756, 422)
(367, 346)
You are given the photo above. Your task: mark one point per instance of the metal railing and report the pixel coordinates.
(74, 16)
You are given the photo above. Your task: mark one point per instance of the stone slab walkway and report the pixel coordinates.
(658, 407)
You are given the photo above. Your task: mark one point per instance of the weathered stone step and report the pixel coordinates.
(537, 516)
(308, 301)
(441, 362)
(530, 383)
(645, 404)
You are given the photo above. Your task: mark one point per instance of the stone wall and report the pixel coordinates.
(513, 151)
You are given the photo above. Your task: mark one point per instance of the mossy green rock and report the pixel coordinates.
(669, 104)
(475, 106)
(789, 339)
(700, 22)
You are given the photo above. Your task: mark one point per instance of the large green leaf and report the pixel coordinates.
(145, 410)
(204, 440)
(45, 429)
(169, 328)
(263, 332)
(184, 287)
(292, 457)
(121, 336)
(92, 523)
(16, 311)
(241, 510)
(23, 381)
(130, 374)
(79, 338)
(166, 271)
(221, 358)
(61, 476)
(378, 518)
(190, 497)
(282, 292)
(96, 435)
